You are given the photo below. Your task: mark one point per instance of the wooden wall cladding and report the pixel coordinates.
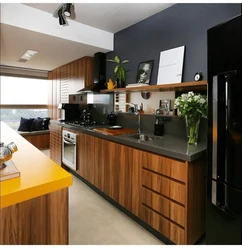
(39, 221)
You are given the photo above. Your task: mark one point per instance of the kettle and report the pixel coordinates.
(111, 119)
(110, 84)
(6, 152)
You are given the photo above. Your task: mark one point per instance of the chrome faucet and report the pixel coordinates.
(137, 112)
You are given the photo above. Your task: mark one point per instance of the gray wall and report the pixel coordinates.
(181, 24)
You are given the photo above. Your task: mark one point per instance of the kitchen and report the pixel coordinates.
(127, 43)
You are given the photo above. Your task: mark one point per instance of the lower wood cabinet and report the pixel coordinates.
(56, 143)
(112, 168)
(167, 194)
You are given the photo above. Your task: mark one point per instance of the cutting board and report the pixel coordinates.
(120, 131)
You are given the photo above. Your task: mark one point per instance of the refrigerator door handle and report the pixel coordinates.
(214, 193)
(215, 127)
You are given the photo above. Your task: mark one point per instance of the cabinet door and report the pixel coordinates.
(56, 143)
(89, 71)
(85, 159)
(130, 179)
(76, 81)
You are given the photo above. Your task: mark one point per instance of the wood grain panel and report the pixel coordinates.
(39, 221)
(39, 141)
(58, 224)
(166, 166)
(89, 71)
(56, 143)
(196, 200)
(164, 206)
(169, 188)
(164, 226)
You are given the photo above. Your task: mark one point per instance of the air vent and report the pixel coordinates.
(28, 55)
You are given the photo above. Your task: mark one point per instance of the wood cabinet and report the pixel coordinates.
(81, 74)
(56, 143)
(167, 194)
(68, 79)
(173, 197)
(113, 168)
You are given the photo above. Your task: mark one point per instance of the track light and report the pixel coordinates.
(62, 20)
(64, 10)
(67, 9)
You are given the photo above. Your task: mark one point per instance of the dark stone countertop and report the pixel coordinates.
(167, 146)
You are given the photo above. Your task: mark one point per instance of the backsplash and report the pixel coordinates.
(175, 126)
(152, 103)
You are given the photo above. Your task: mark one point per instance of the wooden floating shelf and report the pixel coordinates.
(183, 86)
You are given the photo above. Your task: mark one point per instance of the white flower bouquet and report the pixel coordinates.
(192, 107)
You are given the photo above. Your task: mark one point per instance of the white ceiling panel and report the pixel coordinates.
(55, 50)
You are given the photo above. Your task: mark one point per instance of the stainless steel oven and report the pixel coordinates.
(69, 148)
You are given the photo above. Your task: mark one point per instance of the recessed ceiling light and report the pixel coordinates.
(29, 54)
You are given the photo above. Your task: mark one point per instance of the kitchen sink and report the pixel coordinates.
(144, 137)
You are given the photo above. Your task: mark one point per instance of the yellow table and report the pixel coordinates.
(34, 206)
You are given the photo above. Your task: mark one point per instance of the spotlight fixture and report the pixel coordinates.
(67, 9)
(62, 20)
(64, 10)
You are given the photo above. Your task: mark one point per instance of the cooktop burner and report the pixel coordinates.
(82, 123)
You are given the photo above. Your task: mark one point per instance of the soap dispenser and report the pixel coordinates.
(159, 127)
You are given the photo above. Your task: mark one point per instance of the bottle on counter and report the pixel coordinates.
(141, 110)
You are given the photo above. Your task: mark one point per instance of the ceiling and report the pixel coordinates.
(58, 45)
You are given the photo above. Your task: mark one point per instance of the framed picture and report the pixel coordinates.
(144, 72)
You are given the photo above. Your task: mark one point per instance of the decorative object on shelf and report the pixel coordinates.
(171, 65)
(6, 152)
(198, 76)
(110, 84)
(119, 71)
(144, 72)
(192, 107)
(145, 95)
(165, 106)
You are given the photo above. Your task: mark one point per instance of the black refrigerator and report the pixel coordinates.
(224, 182)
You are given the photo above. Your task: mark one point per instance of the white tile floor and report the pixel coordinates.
(94, 221)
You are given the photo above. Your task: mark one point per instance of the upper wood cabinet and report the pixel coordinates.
(73, 77)
(81, 74)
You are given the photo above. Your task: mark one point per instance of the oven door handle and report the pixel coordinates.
(69, 143)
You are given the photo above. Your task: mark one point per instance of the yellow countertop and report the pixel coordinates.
(39, 175)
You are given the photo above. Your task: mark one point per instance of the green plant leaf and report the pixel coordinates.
(116, 69)
(117, 59)
(111, 60)
(125, 61)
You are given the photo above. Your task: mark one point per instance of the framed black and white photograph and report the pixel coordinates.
(144, 72)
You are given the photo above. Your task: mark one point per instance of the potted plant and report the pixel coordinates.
(192, 107)
(119, 71)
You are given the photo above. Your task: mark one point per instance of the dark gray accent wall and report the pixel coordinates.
(181, 24)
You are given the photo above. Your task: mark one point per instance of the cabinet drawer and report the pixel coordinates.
(163, 185)
(164, 226)
(166, 166)
(164, 206)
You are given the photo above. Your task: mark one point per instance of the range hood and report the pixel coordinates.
(99, 74)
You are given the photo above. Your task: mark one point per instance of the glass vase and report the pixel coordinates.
(192, 128)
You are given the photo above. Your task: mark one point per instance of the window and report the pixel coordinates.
(22, 97)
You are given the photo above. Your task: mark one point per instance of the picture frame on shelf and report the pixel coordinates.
(144, 72)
